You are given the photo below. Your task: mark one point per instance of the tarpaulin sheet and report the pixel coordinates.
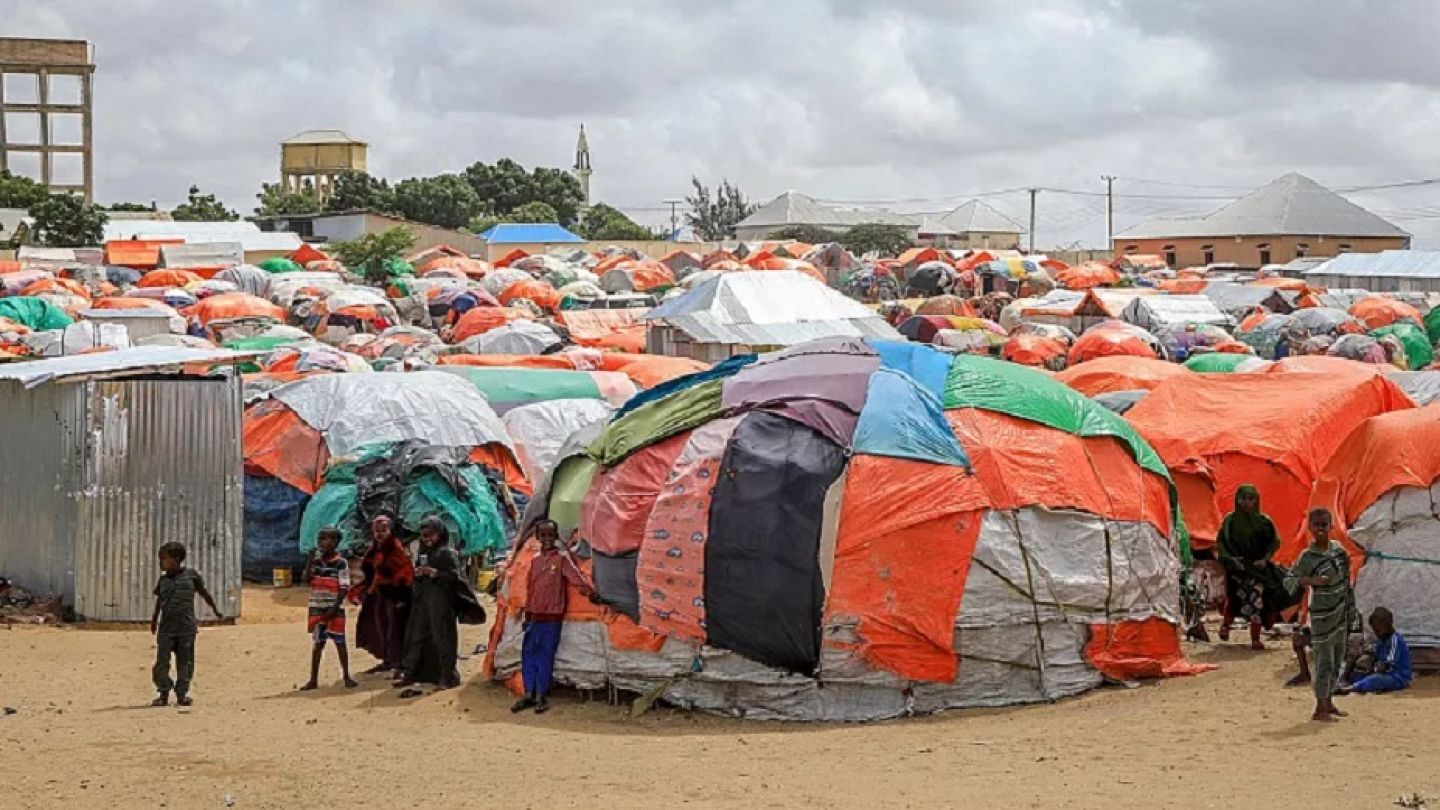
(471, 515)
(658, 420)
(1418, 351)
(902, 419)
(333, 505)
(763, 589)
(719, 371)
(36, 313)
(502, 460)
(273, 510)
(541, 428)
(1276, 431)
(615, 580)
(230, 306)
(821, 385)
(902, 554)
(279, 444)
(925, 365)
(1399, 449)
(479, 320)
(1145, 649)
(352, 410)
(1032, 350)
(1216, 362)
(1104, 342)
(569, 485)
(670, 572)
(1432, 325)
(994, 385)
(505, 388)
(1378, 310)
(618, 503)
(1325, 364)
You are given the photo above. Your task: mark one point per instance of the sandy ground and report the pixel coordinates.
(83, 736)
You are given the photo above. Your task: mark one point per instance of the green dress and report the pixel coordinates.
(1331, 606)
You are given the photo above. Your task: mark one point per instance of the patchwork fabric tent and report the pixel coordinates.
(855, 529)
(1276, 431)
(1382, 485)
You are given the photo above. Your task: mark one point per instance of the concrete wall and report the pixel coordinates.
(1245, 251)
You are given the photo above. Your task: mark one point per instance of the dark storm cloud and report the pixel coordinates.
(842, 99)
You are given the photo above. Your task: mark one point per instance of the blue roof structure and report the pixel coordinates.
(522, 233)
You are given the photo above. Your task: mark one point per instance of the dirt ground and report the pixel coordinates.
(83, 736)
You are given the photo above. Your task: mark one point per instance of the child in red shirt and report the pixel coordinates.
(544, 615)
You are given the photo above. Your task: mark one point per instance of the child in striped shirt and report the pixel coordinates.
(328, 573)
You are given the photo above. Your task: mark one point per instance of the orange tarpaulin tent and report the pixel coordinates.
(1377, 311)
(1282, 283)
(228, 306)
(1032, 350)
(468, 267)
(307, 253)
(1277, 431)
(63, 286)
(1183, 286)
(540, 292)
(1105, 341)
(140, 254)
(169, 278)
(124, 302)
(1104, 375)
(1087, 275)
(510, 258)
(479, 320)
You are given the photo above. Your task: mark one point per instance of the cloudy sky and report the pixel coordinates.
(915, 105)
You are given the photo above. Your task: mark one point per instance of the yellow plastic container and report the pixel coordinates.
(283, 577)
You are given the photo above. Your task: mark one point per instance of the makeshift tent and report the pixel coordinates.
(1158, 312)
(1276, 431)
(792, 537)
(1423, 387)
(231, 307)
(1221, 363)
(279, 264)
(1382, 485)
(540, 429)
(1377, 311)
(1419, 353)
(273, 510)
(35, 313)
(1087, 275)
(637, 276)
(1034, 350)
(507, 388)
(516, 337)
(1113, 338)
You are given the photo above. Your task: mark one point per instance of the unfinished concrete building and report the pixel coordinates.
(45, 112)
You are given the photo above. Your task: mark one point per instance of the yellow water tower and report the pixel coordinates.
(311, 160)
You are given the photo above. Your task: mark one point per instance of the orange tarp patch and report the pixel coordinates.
(510, 258)
(479, 320)
(1377, 311)
(498, 457)
(507, 361)
(545, 296)
(618, 503)
(136, 253)
(906, 537)
(1127, 651)
(649, 370)
(1120, 373)
(1183, 286)
(1275, 431)
(228, 306)
(306, 253)
(277, 443)
(169, 277)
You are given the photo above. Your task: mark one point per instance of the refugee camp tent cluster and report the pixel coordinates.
(855, 529)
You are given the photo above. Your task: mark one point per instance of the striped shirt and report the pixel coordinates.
(329, 579)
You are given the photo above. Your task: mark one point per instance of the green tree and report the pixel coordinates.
(875, 237)
(601, 223)
(65, 220)
(445, 200)
(129, 206)
(359, 191)
(276, 201)
(535, 211)
(507, 185)
(370, 254)
(809, 234)
(713, 216)
(202, 208)
(20, 192)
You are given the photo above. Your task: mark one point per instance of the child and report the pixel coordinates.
(1390, 661)
(1324, 568)
(173, 624)
(544, 615)
(329, 576)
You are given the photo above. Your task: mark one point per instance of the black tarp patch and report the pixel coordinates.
(615, 581)
(763, 589)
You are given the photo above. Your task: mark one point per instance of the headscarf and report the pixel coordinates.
(386, 562)
(1247, 535)
(437, 526)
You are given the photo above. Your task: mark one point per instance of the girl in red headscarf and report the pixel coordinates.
(384, 596)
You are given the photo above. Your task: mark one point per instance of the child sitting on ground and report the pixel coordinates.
(1390, 669)
(328, 573)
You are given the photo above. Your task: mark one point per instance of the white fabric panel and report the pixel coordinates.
(1401, 524)
(540, 429)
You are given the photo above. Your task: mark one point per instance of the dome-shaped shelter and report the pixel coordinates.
(848, 530)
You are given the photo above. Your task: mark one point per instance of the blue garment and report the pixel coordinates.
(537, 656)
(1394, 652)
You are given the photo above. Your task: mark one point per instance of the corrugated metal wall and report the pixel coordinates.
(163, 463)
(42, 448)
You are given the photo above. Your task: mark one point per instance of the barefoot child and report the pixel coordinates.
(544, 614)
(1390, 669)
(329, 576)
(1324, 568)
(173, 624)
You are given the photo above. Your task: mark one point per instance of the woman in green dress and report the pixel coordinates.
(1254, 586)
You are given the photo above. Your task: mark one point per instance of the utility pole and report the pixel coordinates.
(1033, 193)
(1109, 210)
(674, 221)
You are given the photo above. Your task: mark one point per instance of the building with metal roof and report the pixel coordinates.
(1388, 272)
(972, 225)
(529, 233)
(257, 245)
(1290, 217)
(741, 312)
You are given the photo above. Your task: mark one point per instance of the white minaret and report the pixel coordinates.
(582, 165)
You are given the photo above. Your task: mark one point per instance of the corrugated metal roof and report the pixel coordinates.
(976, 216)
(778, 308)
(1389, 263)
(318, 136)
(521, 233)
(202, 254)
(794, 208)
(1290, 205)
(124, 362)
(1154, 311)
(246, 233)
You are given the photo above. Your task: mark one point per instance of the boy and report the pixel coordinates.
(1390, 661)
(173, 624)
(329, 576)
(1324, 568)
(544, 615)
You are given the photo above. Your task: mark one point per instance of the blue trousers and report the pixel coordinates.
(1380, 682)
(537, 656)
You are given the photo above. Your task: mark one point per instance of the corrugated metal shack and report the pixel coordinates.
(103, 457)
(1389, 271)
(740, 312)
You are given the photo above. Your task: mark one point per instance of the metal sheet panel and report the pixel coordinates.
(42, 441)
(163, 462)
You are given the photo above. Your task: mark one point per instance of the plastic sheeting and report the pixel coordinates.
(506, 388)
(36, 313)
(539, 429)
(1400, 536)
(273, 510)
(657, 420)
(821, 385)
(1423, 387)
(516, 337)
(902, 419)
(354, 410)
(620, 497)
(763, 589)
(1108, 374)
(1418, 351)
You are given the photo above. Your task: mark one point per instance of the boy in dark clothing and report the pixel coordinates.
(174, 624)
(544, 615)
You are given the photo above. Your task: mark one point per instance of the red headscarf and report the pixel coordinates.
(386, 563)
